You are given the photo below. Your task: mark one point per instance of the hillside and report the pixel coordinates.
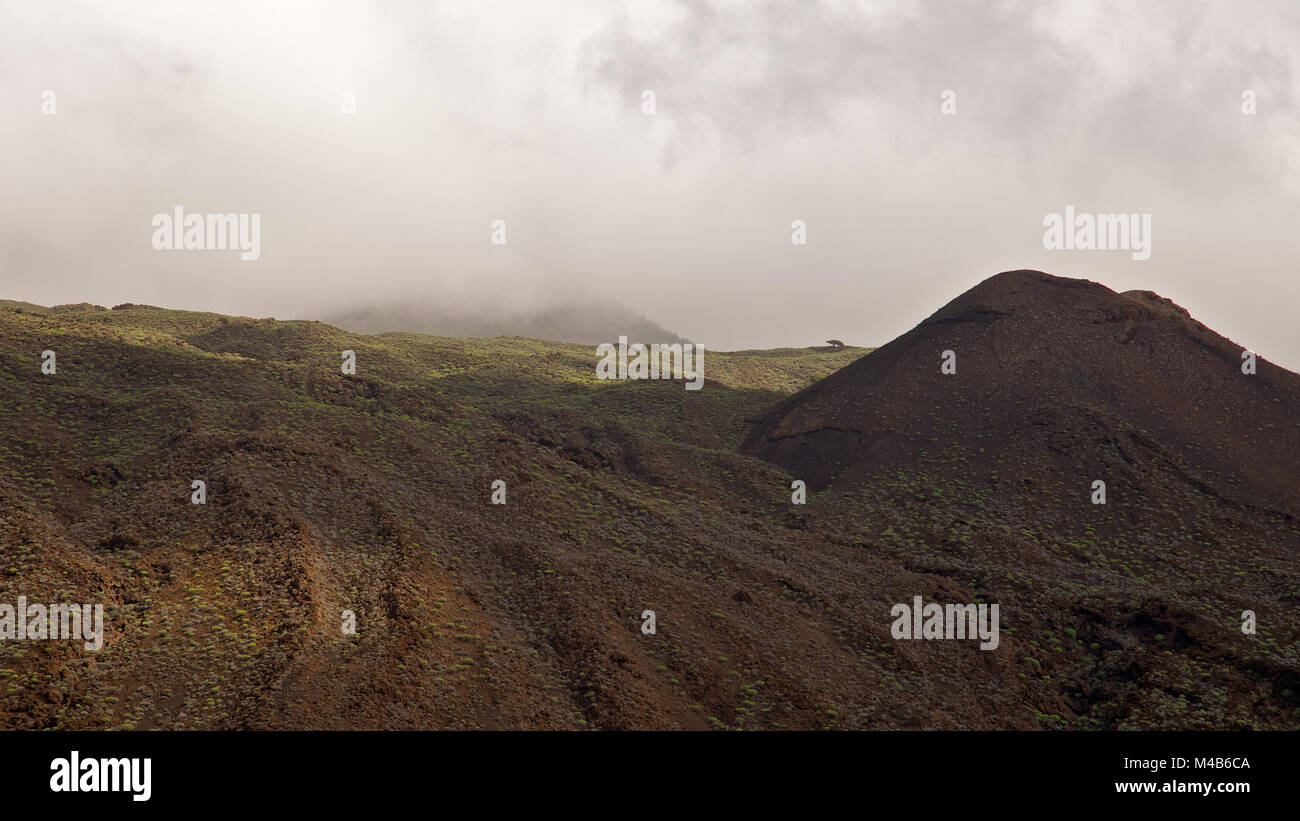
(372, 493)
(985, 476)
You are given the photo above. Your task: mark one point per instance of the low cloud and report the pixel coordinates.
(469, 112)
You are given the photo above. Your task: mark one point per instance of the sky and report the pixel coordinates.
(764, 113)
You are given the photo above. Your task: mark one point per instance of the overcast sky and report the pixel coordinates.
(531, 112)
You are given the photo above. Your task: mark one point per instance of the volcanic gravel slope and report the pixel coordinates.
(1063, 376)
(371, 493)
(986, 475)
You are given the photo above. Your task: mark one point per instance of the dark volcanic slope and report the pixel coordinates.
(1126, 614)
(1060, 377)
